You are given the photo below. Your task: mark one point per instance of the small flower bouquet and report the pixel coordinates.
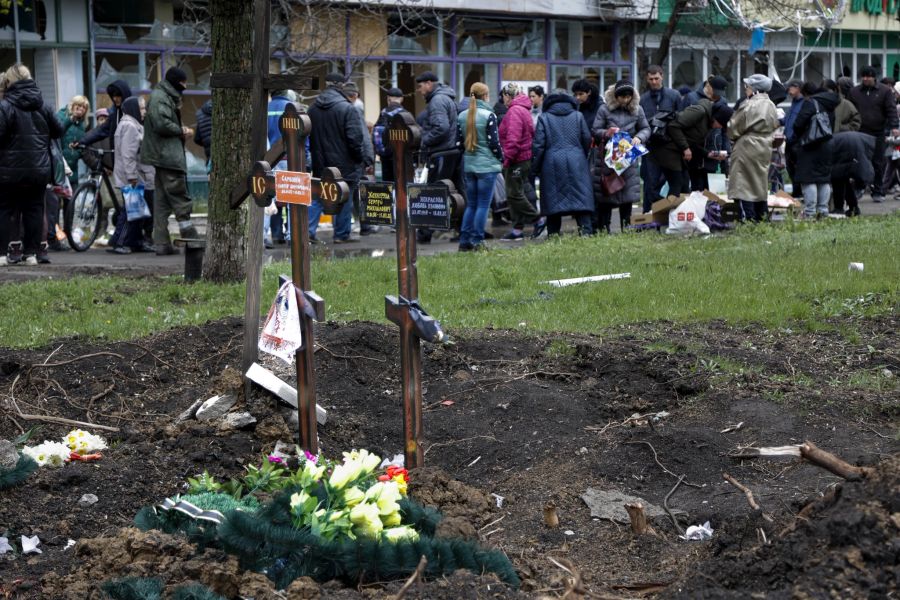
(76, 445)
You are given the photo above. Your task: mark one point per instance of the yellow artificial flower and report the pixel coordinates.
(366, 519)
(353, 496)
(396, 534)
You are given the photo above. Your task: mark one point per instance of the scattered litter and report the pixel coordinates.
(87, 500)
(4, 545)
(282, 334)
(473, 462)
(592, 278)
(610, 505)
(448, 403)
(887, 373)
(582, 451)
(569, 532)
(30, 545)
(855, 266)
(731, 428)
(769, 451)
(69, 544)
(274, 384)
(397, 461)
(697, 533)
(378, 253)
(504, 405)
(499, 500)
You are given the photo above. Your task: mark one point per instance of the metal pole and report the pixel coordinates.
(14, 5)
(92, 66)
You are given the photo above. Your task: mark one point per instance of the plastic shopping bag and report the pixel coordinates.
(621, 153)
(687, 217)
(135, 206)
(282, 335)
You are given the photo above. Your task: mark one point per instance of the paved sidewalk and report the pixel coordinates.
(98, 262)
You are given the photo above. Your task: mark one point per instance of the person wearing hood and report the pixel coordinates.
(27, 127)
(130, 172)
(163, 148)
(587, 95)
(621, 113)
(814, 160)
(516, 137)
(852, 169)
(352, 92)
(117, 91)
(878, 111)
(336, 140)
(846, 119)
(203, 135)
(562, 143)
(440, 142)
(752, 129)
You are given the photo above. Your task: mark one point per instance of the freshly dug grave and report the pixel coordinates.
(513, 422)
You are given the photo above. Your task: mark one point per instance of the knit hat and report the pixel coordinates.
(395, 93)
(351, 88)
(794, 83)
(718, 84)
(334, 80)
(624, 88)
(176, 77)
(511, 89)
(722, 113)
(101, 112)
(758, 83)
(427, 76)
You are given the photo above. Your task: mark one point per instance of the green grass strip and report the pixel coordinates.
(770, 274)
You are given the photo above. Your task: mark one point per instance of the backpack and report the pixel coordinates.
(379, 133)
(658, 125)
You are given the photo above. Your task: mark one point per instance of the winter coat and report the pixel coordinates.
(488, 156)
(562, 142)
(589, 109)
(274, 110)
(163, 145)
(129, 135)
(439, 120)
(73, 131)
(814, 161)
(108, 129)
(203, 135)
(517, 131)
(853, 152)
(665, 100)
(368, 146)
(336, 139)
(630, 119)
(687, 130)
(877, 108)
(500, 110)
(846, 117)
(751, 128)
(26, 127)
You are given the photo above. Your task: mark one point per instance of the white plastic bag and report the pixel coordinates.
(282, 335)
(687, 217)
(421, 175)
(135, 205)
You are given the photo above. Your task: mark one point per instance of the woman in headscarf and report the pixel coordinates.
(130, 172)
(751, 129)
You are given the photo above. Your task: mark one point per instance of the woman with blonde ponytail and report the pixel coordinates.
(483, 160)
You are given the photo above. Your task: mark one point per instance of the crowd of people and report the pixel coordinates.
(527, 160)
(40, 151)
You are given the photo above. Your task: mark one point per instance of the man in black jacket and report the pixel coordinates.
(878, 110)
(657, 98)
(26, 127)
(203, 134)
(118, 91)
(336, 140)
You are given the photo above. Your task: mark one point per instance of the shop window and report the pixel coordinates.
(118, 12)
(687, 68)
(724, 64)
(413, 35)
(138, 70)
(598, 42)
(817, 67)
(576, 41)
(787, 65)
(469, 73)
(845, 65)
(563, 76)
(197, 68)
(493, 38)
(624, 47)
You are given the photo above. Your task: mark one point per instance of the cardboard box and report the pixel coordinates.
(642, 219)
(721, 201)
(667, 204)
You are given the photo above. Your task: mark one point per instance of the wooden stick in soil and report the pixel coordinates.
(830, 462)
(417, 574)
(749, 494)
(638, 518)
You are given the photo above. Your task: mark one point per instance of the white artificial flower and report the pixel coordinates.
(396, 534)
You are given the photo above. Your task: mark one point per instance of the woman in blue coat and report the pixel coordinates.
(562, 142)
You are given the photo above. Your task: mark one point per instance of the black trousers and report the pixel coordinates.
(842, 191)
(27, 200)
(679, 181)
(554, 223)
(604, 213)
(878, 162)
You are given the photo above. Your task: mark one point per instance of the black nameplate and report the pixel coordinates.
(429, 205)
(377, 201)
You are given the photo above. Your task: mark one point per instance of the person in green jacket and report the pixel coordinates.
(163, 148)
(73, 119)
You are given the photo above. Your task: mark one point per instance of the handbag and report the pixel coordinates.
(612, 183)
(819, 128)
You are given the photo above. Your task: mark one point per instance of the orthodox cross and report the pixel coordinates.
(405, 137)
(332, 191)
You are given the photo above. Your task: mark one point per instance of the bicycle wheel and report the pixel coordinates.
(83, 216)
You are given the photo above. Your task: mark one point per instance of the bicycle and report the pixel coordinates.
(84, 217)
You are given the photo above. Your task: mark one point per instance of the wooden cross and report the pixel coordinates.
(405, 137)
(259, 82)
(332, 191)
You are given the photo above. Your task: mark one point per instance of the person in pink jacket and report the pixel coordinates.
(516, 137)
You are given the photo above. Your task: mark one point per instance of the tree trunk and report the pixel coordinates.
(232, 44)
(666, 39)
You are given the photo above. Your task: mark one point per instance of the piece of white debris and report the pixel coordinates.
(69, 544)
(697, 533)
(4, 545)
(569, 532)
(30, 545)
(499, 500)
(397, 461)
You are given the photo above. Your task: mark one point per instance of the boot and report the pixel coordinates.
(15, 253)
(188, 231)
